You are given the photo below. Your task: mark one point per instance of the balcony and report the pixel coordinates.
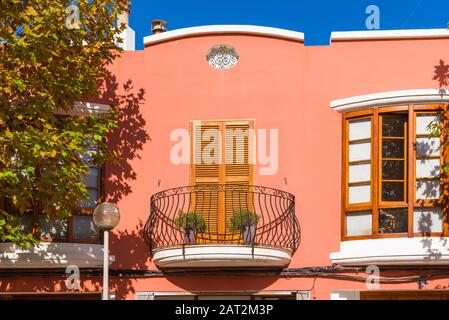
(237, 226)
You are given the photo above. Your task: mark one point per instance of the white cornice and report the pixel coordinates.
(393, 251)
(86, 108)
(390, 98)
(389, 34)
(224, 29)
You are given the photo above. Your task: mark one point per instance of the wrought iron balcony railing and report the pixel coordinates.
(211, 214)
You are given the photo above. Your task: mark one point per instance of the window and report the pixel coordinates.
(392, 173)
(78, 228)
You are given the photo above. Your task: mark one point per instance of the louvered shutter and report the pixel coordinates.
(206, 171)
(221, 154)
(238, 168)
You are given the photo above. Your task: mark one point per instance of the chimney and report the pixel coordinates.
(123, 18)
(158, 26)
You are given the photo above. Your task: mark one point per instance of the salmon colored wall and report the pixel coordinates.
(282, 85)
(285, 86)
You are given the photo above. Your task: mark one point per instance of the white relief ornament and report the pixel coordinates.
(222, 57)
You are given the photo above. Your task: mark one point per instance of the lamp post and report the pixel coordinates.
(106, 217)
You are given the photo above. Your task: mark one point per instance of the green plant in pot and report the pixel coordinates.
(191, 223)
(246, 222)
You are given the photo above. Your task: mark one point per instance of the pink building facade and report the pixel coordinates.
(337, 163)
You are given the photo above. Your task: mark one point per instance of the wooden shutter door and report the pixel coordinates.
(206, 144)
(238, 168)
(233, 149)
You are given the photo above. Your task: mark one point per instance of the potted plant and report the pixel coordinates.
(191, 223)
(246, 222)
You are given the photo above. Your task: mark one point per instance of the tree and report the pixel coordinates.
(52, 54)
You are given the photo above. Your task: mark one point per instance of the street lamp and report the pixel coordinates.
(106, 217)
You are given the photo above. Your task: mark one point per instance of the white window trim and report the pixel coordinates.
(390, 98)
(86, 108)
(393, 251)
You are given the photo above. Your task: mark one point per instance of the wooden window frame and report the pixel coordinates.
(410, 171)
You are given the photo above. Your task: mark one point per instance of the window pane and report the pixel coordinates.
(359, 223)
(392, 148)
(393, 220)
(84, 228)
(52, 228)
(91, 179)
(393, 170)
(427, 189)
(26, 222)
(427, 168)
(423, 120)
(359, 172)
(359, 151)
(92, 202)
(359, 194)
(392, 191)
(359, 129)
(428, 220)
(427, 146)
(393, 126)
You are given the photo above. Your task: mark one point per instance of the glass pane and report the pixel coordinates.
(359, 129)
(427, 146)
(52, 228)
(359, 172)
(91, 179)
(393, 126)
(92, 202)
(392, 148)
(392, 191)
(26, 222)
(84, 228)
(393, 170)
(423, 120)
(427, 189)
(393, 220)
(359, 223)
(427, 168)
(428, 220)
(359, 151)
(359, 194)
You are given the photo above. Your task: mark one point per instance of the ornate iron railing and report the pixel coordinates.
(222, 215)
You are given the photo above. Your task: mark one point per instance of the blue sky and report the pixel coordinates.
(316, 18)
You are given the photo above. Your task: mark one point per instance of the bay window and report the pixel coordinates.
(393, 178)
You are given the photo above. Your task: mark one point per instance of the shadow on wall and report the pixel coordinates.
(434, 245)
(133, 254)
(127, 139)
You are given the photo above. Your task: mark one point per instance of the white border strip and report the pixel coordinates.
(389, 34)
(86, 108)
(390, 98)
(223, 29)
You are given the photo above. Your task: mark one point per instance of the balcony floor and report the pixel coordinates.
(221, 256)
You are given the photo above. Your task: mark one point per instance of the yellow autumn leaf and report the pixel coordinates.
(30, 11)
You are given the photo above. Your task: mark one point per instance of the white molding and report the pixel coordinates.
(51, 255)
(390, 98)
(393, 251)
(86, 108)
(389, 34)
(219, 256)
(224, 29)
